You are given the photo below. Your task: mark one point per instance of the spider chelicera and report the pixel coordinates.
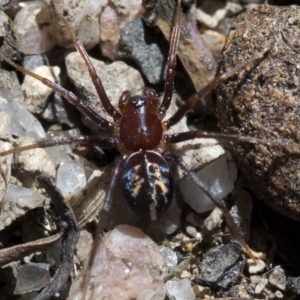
(139, 132)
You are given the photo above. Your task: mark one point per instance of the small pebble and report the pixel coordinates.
(218, 177)
(201, 291)
(255, 266)
(32, 277)
(17, 201)
(22, 122)
(180, 289)
(83, 17)
(33, 28)
(170, 258)
(5, 161)
(71, 177)
(32, 163)
(191, 231)
(259, 283)
(84, 245)
(36, 93)
(185, 274)
(278, 278)
(279, 295)
(113, 18)
(212, 222)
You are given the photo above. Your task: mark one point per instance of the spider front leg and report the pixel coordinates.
(69, 96)
(195, 98)
(171, 64)
(92, 72)
(190, 135)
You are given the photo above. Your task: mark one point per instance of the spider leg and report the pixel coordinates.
(189, 135)
(171, 65)
(110, 109)
(102, 219)
(69, 240)
(219, 203)
(193, 100)
(69, 96)
(102, 142)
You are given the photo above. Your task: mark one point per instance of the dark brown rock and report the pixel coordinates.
(263, 101)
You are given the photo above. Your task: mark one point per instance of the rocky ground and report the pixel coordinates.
(191, 252)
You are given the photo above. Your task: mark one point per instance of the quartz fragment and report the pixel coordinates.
(127, 265)
(218, 177)
(70, 176)
(180, 289)
(170, 258)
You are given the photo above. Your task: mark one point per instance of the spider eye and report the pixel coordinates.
(138, 102)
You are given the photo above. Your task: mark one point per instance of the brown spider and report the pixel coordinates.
(139, 133)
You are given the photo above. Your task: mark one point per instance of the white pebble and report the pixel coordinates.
(33, 28)
(170, 258)
(218, 177)
(180, 289)
(255, 265)
(70, 178)
(259, 283)
(36, 93)
(83, 17)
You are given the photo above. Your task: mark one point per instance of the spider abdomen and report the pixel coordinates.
(147, 184)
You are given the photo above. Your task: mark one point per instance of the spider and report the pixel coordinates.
(139, 131)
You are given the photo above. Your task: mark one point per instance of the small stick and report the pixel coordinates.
(69, 240)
